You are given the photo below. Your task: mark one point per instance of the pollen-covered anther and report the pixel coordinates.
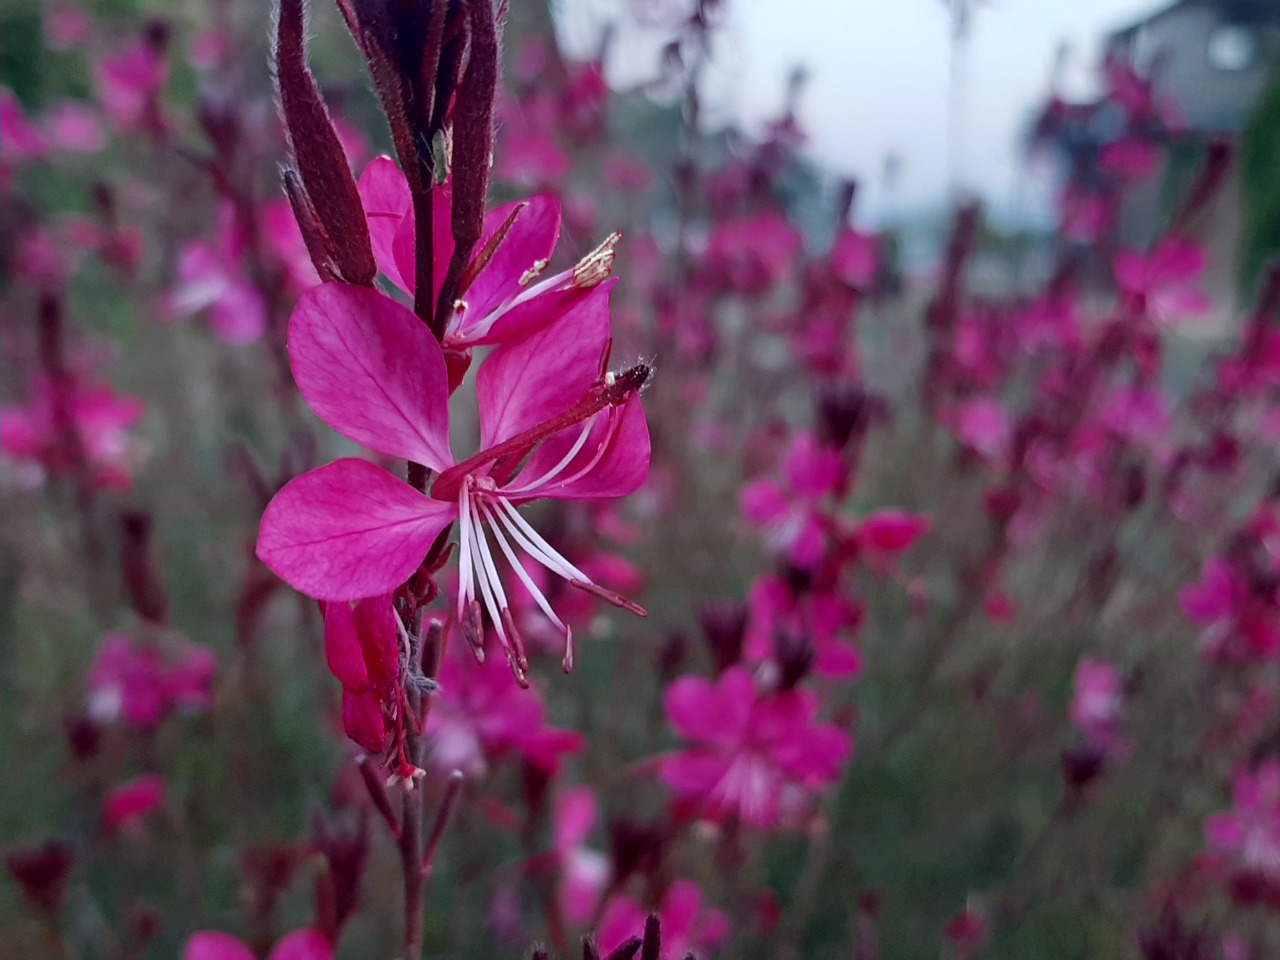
(473, 629)
(460, 307)
(593, 269)
(608, 596)
(408, 777)
(533, 272)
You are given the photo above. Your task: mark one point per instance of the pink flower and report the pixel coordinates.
(74, 127)
(820, 613)
(1097, 706)
(66, 27)
(304, 944)
(753, 756)
(790, 509)
(981, 425)
(689, 928)
(362, 648)
(141, 685)
(1250, 831)
(508, 298)
(531, 159)
(583, 872)
(129, 85)
(1130, 159)
(22, 142)
(1163, 282)
(211, 277)
(62, 427)
(477, 719)
(1236, 622)
(1086, 217)
(125, 807)
(886, 534)
(551, 425)
(753, 254)
(855, 258)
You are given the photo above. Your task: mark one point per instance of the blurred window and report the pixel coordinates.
(1232, 48)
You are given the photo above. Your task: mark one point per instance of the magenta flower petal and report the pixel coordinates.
(371, 370)
(523, 252)
(349, 530)
(215, 945)
(620, 470)
(575, 818)
(306, 944)
(522, 384)
(384, 191)
(762, 503)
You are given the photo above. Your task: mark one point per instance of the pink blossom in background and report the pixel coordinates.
(584, 872)
(789, 509)
(1132, 158)
(214, 276)
(22, 141)
(689, 926)
(372, 370)
(478, 718)
(886, 534)
(1097, 704)
(211, 277)
(855, 258)
(752, 254)
(982, 426)
(1235, 623)
(129, 84)
(305, 944)
(1250, 831)
(531, 159)
(209, 49)
(126, 806)
(751, 755)
(74, 127)
(142, 684)
(1164, 282)
(823, 614)
(66, 26)
(1086, 217)
(62, 428)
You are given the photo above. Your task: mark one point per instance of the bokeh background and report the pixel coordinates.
(1007, 262)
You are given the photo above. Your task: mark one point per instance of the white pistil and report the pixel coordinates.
(558, 468)
(534, 545)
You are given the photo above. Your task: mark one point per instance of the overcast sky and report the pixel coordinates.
(879, 83)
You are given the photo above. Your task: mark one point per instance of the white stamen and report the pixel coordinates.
(486, 591)
(466, 591)
(520, 571)
(535, 546)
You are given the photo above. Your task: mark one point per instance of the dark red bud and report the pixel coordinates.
(42, 872)
(321, 163)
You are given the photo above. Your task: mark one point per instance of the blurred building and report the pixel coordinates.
(1212, 58)
(1211, 61)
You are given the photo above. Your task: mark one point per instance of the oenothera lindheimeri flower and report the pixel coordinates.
(1250, 831)
(689, 926)
(553, 424)
(503, 295)
(754, 755)
(304, 944)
